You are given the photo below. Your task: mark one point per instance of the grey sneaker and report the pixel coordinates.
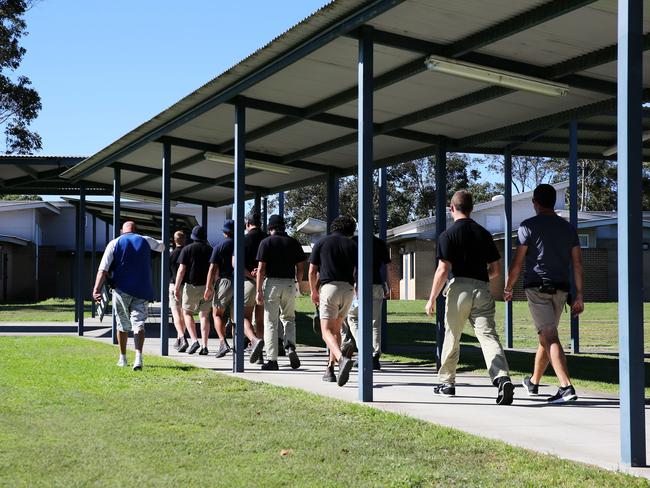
(294, 360)
(329, 376)
(345, 366)
(257, 350)
(177, 343)
(224, 349)
(564, 395)
(194, 347)
(531, 388)
(183, 345)
(445, 389)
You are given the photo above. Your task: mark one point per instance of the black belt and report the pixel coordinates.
(550, 287)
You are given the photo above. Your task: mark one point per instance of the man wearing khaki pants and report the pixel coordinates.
(280, 264)
(466, 253)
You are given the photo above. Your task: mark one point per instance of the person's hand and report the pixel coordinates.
(387, 294)
(254, 273)
(315, 297)
(207, 294)
(578, 306)
(177, 294)
(97, 294)
(430, 308)
(507, 295)
(259, 298)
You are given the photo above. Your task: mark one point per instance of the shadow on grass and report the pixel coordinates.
(179, 367)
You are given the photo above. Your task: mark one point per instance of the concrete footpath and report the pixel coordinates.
(586, 431)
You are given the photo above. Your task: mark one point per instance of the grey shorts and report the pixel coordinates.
(222, 293)
(335, 299)
(545, 309)
(193, 300)
(130, 312)
(173, 303)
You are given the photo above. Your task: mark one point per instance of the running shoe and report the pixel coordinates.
(506, 391)
(257, 350)
(329, 376)
(224, 349)
(445, 389)
(531, 388)
(564, 395)
(194, 347)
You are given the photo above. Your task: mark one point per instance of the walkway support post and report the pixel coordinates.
(573, 219)
(281, 204)
(93, 264)
(507, 244)
(204, 215)
(265, 213)
(332, 198)
(117, 190)
(81, 254)
(75, 265)
(164, 256)
(441, 225)
(257, 205)
(365, 212)
(630, 258)
(240, 155)
(383, 234)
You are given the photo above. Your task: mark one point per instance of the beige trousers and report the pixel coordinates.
(353, 320)
(469, 299)
(279, 302)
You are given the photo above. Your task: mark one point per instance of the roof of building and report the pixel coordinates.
(18, 205)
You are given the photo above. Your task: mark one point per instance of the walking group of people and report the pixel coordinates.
(201, 280)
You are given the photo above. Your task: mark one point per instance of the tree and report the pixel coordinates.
(21, 197)
(19, 102)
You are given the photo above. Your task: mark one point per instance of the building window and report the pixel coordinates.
(412, 266)
(584, 240)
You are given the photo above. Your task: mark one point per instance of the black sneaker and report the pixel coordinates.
(531, 388)
(224, 349)
(204, 351)
(329, 374)
(345, 366)
(506, 391)
(194, 347)
(445, 389)
(256, 353)
(183, 345)
(270, 366)
(281, 350)
(294, 360)
(564, 395)
(376, 365)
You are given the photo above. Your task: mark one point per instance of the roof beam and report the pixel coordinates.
(183, 164)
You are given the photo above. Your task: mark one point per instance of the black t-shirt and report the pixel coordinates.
(336, 257)
(173, 264)
(281, 253)
(222, 257)
(251, 244)
(380, 256)
(469, 248)
(196, 257)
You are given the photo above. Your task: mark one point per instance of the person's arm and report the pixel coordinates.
(578, 302)
(314, 283)
(179, 281)
(388, 281)
(261, 274)
(300, 270)
(99, 281)
(102, 271)
(213, 272)
(515, 270)
(439, 280)
(494, 269)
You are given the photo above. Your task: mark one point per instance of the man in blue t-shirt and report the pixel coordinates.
(128, 260)
(550, 247)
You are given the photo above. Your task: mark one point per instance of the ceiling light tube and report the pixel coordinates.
(610, 151)
(493, 76)
(249, 163)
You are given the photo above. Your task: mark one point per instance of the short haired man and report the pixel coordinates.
(181, 343)
(332, 271)
(281, 264)
(128, 259)
(467, 254)
(194, 261)
(254, 235)
(380, 292)
(550, 246)
(218, 285)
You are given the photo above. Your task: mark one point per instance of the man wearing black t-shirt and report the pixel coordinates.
(467, 254)
(254, 235)
(192, 272)
(332, 271)
(175, 305)
(281, 263)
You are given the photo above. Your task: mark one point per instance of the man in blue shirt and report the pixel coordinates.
(128, 260)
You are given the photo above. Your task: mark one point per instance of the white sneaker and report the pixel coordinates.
(122, 363)
(137, 365)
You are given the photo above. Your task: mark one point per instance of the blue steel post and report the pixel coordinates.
(281, 204)
(164, 258)
(441, 225)
(117, 190)
(93, 263)
(257, 205)
(81, 255)
(630, 258)
(573, 218)
(204, 217)
(240, 148)
(507, 245)
(265, 212)
(332, 197)
(75, 266)
(383, 234)
(365, 212)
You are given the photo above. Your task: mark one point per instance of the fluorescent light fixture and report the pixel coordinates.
(610, 151)
(249, 163)
(495, 76)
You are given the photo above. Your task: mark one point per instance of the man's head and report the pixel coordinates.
(129, 226)
(344, 224)
(276, 224)
(253, 219)
(462, 204)
(544, 198)
(179, 238)
(228, 227)
(198, 233)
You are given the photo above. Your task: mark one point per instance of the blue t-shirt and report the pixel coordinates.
(222, 257)
(549, 239)
(131, 266)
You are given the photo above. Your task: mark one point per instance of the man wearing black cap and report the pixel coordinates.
(194, 261)
(218, 285)
(332, 271)
(254, 235)
(281, 264)
(176, 306)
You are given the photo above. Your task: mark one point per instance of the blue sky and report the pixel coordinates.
(102, 68)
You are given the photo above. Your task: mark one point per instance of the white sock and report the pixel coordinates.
(138, 356)
(122, 357)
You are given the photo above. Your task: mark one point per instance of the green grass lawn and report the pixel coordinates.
(71, 418)
(51, 310)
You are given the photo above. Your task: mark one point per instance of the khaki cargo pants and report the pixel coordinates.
(469, 299)
(279, 302)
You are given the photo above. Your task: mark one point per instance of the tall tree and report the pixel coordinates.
(19, 102)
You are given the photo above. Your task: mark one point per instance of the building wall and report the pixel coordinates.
(20, 273)
(19, 223)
